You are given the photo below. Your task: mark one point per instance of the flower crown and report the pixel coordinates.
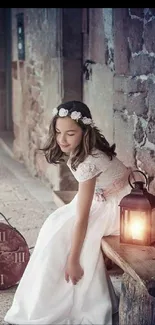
(62, 112)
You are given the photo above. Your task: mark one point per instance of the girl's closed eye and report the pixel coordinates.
(71, 134)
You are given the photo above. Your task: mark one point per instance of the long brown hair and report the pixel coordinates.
(92, 138)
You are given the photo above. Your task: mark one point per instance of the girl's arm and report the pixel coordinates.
(84, 201)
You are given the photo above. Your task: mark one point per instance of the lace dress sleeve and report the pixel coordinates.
(91, 167)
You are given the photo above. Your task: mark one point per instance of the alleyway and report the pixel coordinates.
(26, 202)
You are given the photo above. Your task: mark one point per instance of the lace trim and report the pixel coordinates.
(87, 171)
(91, 167)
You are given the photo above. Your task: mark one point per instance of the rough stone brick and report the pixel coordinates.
(32, 62)
(35, 92)
(33, 80)
(139, 12)
(41, 101)
(145, 160)
(153, 68)
(152, 186)
(142, 85)
(38, 71)
(130, 84)
(151, 128)
(37, 108)
(139, 133)
(39, 66)
(151, 96)
(41, 164)
(120, 83)
(136, 104)
(135, 35)
(141, 64)
(30, 71)
(119, 101)
(149, 36)
(35, 138)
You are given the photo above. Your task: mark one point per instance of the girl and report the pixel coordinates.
(65, 281)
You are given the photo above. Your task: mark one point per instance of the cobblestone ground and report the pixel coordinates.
(26, 202)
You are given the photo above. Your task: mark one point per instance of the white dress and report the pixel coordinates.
(43, 297)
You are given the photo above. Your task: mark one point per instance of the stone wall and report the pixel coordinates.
(134, 87)
(50, 74)
(36, 88)
(120, 91)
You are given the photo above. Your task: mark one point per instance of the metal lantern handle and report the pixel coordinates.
(137, 171)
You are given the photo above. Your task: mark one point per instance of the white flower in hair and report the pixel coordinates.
(63, 112)
(75, 115)
(55, 111)
(87, 120)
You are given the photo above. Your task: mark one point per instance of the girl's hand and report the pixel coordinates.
(73, 272)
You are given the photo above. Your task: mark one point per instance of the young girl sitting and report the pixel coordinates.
(65, 281)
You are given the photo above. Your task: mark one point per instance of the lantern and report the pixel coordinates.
(137, 215)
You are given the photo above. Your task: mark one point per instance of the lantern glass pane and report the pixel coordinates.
(126, 222)
(138, 225)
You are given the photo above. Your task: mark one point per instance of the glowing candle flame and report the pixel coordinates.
(137, 229)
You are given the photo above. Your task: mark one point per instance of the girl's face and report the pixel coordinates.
(68, 134)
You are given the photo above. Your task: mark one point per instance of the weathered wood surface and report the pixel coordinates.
(137, 299)
(137, 261)
(136, 306)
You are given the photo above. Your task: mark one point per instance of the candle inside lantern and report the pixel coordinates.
(137, 229)
(137, 226)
